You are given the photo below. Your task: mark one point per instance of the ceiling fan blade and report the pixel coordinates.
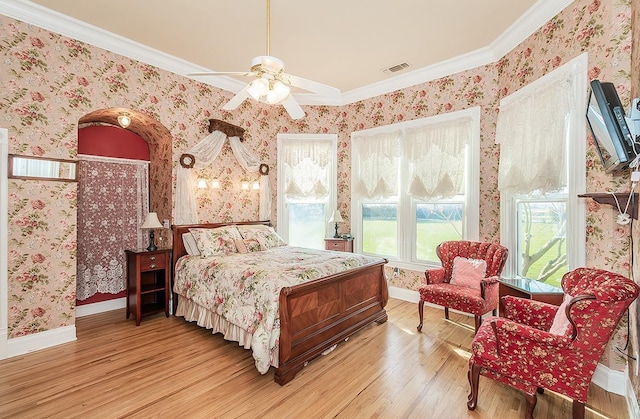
(223, 73)
(293, 109)
(236, 100)
(312, 86)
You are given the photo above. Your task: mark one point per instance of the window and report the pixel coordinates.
(307, 178)
(541, 132)
(413, 185)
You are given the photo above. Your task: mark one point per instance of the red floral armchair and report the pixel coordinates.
(539, 346)
(479, 300)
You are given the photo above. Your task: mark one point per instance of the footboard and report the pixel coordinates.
(316, 315)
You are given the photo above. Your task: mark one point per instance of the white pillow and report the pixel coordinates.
(468, 272)
(190, 244)
(561, 323)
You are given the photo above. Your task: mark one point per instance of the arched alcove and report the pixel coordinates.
(159, 139)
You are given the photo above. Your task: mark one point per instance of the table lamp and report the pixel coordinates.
(149, 224)
(336, 218)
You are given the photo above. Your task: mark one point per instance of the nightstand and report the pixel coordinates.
(148, 283)
(341, 245)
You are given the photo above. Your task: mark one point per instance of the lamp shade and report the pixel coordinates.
(336, 217)
(151, 221)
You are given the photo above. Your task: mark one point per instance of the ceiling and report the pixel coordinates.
(343, 44)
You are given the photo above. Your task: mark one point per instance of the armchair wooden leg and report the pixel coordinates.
(531, 400)
(578, 410)
(474, 379)
(420, 314)
(478, 320)
(446, 313)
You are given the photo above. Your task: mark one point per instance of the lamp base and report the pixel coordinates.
(336, 235)
(152, 244)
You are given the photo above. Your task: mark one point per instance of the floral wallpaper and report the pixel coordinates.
(52, 83)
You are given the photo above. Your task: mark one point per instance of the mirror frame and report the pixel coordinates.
(59, 179)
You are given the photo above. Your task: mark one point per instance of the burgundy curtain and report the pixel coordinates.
(113, 199)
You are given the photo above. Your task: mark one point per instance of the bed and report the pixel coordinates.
(304, 317)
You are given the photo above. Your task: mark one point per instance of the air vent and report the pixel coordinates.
(395, 68)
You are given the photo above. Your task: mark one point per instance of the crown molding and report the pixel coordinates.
(34, 14)
(539, 14)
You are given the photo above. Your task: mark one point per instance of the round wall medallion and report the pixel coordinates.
(264, 169)
(187, 161)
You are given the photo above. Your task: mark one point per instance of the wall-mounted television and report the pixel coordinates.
(608, 123)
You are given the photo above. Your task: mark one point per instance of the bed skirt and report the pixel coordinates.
(193, 312)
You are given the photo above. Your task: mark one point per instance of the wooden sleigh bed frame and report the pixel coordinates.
(316, 315)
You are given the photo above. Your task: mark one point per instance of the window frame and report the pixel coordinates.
(282, 211)
(407, 222)
(576, 176)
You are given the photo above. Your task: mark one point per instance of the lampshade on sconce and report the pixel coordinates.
(202, 184)
(150, 223)
(124, 119)
(336, 218)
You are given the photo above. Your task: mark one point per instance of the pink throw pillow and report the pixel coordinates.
(468, 272)
(561, 323)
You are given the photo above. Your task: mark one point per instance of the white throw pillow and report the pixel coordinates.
(190, 244)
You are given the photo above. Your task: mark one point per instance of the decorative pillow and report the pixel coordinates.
(216, 241)
(561, 323)
(266, 236)
(468, 272)
(248, 245)
(190, 244)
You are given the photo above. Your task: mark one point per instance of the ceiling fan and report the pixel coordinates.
(272, 85)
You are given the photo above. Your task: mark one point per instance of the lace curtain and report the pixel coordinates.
(378, 160)
(436, 156)
(306, 164)
(532, 131)
(113, 197)
(205, 153)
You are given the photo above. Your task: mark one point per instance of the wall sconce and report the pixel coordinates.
(256, 185)
(215, 184)
(202, 184)
(244, 185)
(124, 119)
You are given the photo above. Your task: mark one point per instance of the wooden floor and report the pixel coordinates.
(168, 368)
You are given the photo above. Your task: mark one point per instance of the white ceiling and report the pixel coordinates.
(341, 43)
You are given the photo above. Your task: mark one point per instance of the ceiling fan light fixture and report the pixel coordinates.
(278, 92)
(258, 88)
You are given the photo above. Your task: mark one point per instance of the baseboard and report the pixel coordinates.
(404, 294)
(610, 380)
(101, 307)
(3, 343)
(37, 341)
(632, 401)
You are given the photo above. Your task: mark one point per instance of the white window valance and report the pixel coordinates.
(532, 128)
(436, 156)
(378, 159)
(205, 153)
(307, 168)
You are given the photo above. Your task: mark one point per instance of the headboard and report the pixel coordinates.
(179, 230)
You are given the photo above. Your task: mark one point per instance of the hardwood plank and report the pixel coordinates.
(168, 367)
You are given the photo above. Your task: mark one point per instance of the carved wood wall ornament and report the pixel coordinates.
(227, 128)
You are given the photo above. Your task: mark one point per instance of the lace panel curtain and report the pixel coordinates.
(113, 199)
(436, 156)
(531, 130)
(307, 169)
(378, 159)
(205, 153)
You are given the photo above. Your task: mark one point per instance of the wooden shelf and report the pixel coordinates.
(607, 198)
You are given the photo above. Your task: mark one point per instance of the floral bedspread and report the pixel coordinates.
(244, 288)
